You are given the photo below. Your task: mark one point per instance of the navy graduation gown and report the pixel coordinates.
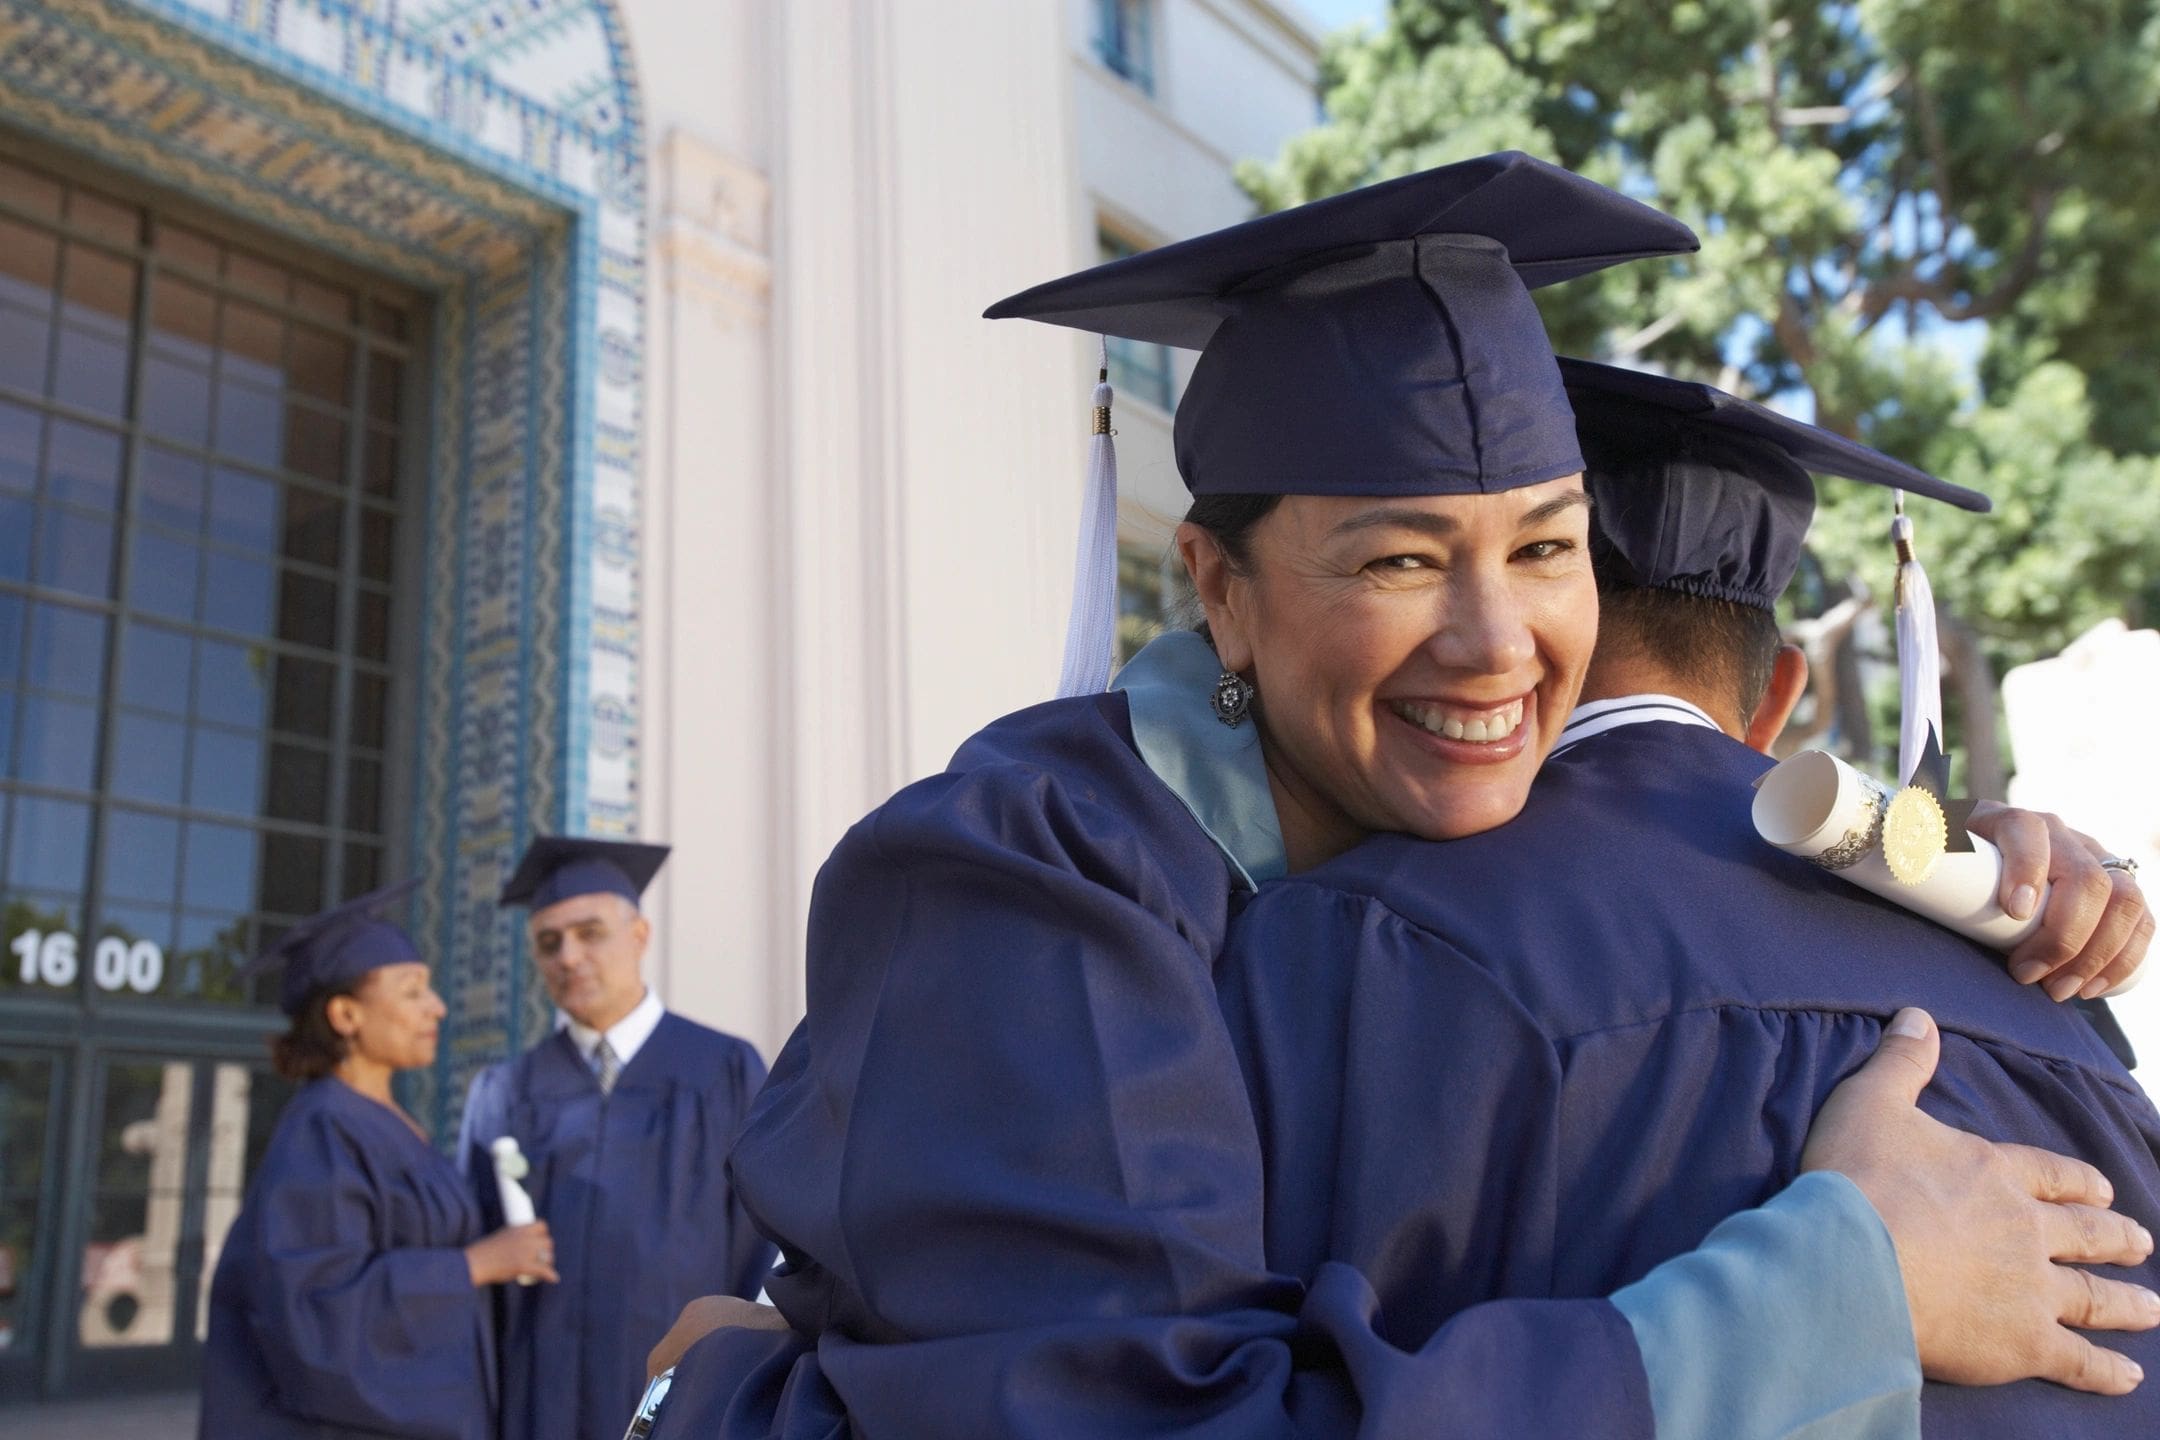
(1541, 1061)
(342, 1304)
(1013, 1167)
(634, 1189)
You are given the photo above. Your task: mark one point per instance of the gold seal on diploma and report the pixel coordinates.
(1914, 834)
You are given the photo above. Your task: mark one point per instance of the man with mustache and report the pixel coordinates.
(625, 1113)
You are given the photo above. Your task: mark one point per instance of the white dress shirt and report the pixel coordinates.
(625, 1036)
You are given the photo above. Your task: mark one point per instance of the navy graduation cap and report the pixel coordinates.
(1381, 342)
(1378, 343)
(338, 946)
(556, 867)
(1705, 493)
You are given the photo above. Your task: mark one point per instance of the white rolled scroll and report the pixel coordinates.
(1816, 806)
(511, 1167)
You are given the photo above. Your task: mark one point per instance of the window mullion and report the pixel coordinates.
(348, 602)
(93, 903)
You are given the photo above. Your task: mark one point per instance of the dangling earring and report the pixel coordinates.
(1232, 698)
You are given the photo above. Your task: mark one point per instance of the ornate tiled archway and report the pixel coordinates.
(492, 152)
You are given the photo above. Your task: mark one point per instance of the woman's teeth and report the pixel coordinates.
(1479, 727)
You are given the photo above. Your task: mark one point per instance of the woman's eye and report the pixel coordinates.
(1398, 562)
(1545, 549)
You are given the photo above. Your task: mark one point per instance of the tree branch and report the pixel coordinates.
(1766, 68)
(1931, 136)
(1974, 677)
(1495, 18)
(1950, 292)
(1793, 331)
(2039, 209)
(1805, 116)
(1821, 639)
(1649, 335)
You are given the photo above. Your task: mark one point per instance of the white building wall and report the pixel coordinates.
(1242, 77)
(862, 497)
(708, 561)
(1234, 80)
(852, 557)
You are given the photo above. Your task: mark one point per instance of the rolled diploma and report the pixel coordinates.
(1816, 806)
(511, 1167)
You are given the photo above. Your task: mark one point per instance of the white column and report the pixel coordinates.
(861, 496)
(993, 420)
(713, 632)
(923, 170)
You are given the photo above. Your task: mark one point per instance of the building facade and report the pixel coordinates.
(428, 423)
(1168, 97)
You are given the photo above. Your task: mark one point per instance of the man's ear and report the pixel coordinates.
(1222, 597)
(1788, 682)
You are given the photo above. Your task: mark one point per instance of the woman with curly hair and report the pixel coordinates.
(349, 1299)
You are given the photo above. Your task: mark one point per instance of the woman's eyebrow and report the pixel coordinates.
(1428, 522)
(1558, 505)
(1403, 517)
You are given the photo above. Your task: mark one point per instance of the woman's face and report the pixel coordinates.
(1415, 658)
(393, 1018)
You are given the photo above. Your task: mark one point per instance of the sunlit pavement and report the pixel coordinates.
(140, 1417)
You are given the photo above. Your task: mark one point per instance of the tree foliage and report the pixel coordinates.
(1933, 223)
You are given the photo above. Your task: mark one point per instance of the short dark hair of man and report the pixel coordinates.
(1719, 647)
(310, 1048)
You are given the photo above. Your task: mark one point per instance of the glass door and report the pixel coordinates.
(208, 440)
(131, 1253)
(171, 1144)
(30, 1098)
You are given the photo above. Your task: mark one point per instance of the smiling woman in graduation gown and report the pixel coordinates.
(1009, 1155)
(349, 1299)
(1543, 1060)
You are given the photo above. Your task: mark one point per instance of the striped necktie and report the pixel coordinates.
(605, 1065)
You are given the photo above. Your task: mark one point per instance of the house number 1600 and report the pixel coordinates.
(53, 959)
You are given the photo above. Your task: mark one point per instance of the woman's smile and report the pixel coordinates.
(1467, 734)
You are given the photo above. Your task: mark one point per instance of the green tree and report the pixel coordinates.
(1931, 220)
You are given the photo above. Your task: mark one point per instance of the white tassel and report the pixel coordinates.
(1091, 628)
(1919, 657)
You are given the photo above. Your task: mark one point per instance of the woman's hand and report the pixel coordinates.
(2096, 929)
(1986, 1234)
(513, 1253)
(703, 1316)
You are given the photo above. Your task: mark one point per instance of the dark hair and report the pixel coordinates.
(310, 1049)
(1719, 645)
(1230, 519)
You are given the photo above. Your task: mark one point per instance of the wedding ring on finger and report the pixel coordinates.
(2123, 863)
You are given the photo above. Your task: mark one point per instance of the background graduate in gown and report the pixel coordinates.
(1010, 1153)
(349, 1300)
(1543, 1060)
(625, 1113)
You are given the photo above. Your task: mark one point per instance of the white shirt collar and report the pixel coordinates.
(626, 1035)
(1595, 717)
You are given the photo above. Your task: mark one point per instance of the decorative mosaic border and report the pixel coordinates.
(439, 666)
(492, 152)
